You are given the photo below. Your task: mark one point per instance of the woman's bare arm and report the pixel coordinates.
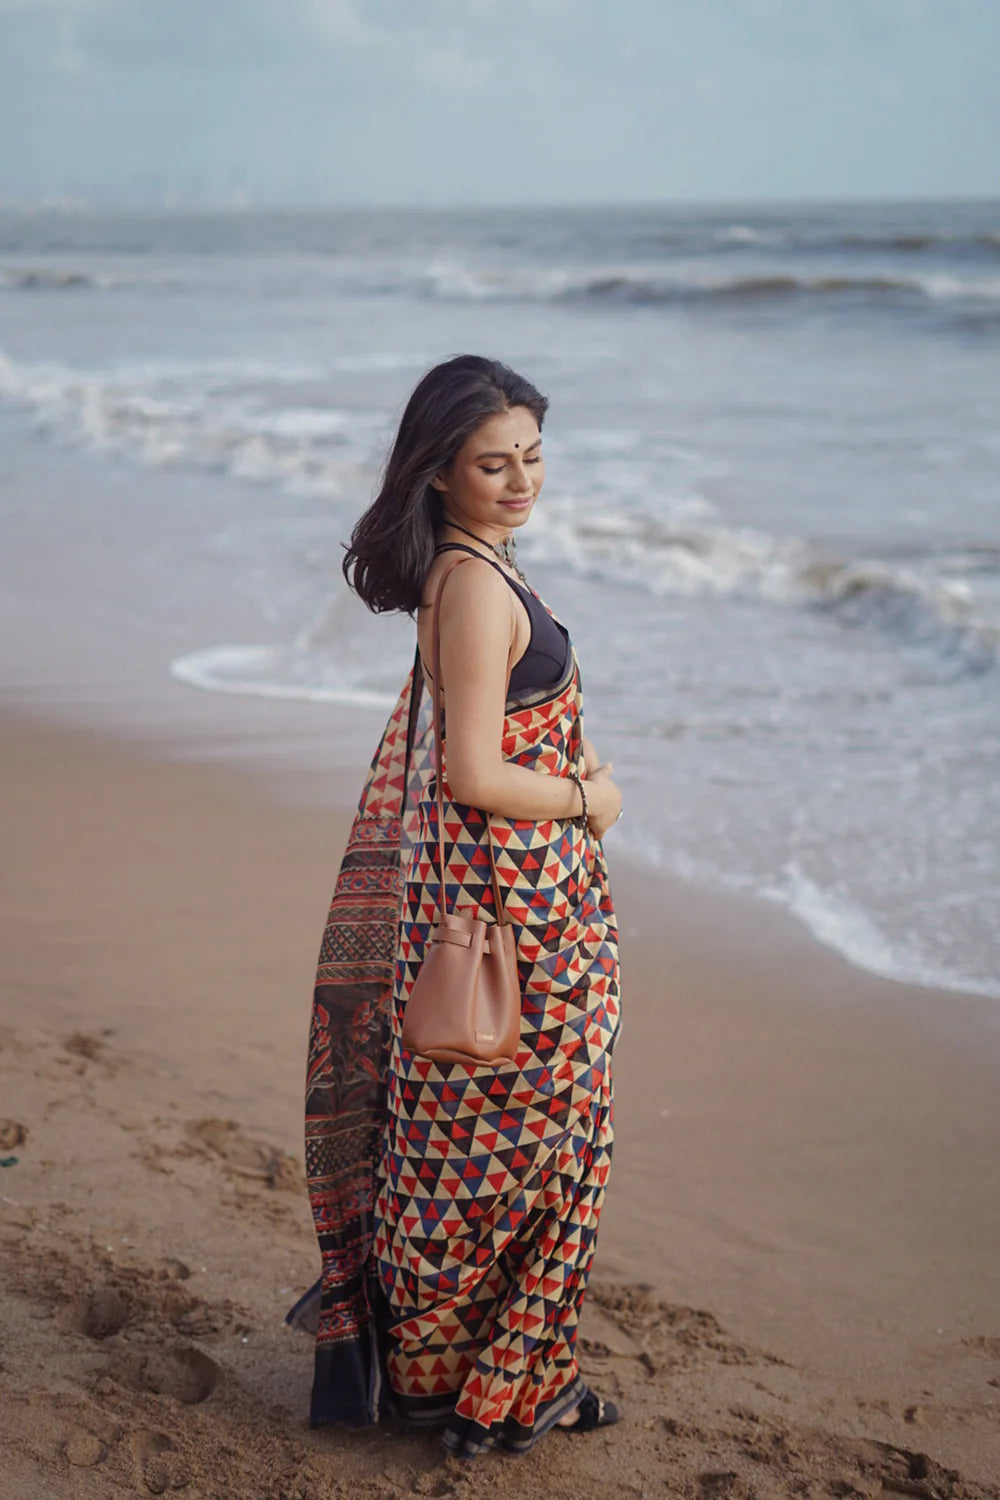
(477, 630)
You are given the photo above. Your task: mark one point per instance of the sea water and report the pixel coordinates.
(771, 517)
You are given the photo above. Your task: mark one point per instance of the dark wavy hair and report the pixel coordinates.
(392, 545)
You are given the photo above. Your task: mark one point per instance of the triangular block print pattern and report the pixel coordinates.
(491, 1181)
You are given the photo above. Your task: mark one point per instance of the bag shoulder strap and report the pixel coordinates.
(439, 742)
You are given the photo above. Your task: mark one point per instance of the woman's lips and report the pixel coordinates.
(519, 504)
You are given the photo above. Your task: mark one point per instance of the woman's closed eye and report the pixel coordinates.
(499, 467)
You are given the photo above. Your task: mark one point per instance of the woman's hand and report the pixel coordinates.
(604, 800)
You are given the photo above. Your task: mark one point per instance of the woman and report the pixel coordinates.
(456, 1205)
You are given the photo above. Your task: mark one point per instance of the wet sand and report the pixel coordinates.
(797, 1289)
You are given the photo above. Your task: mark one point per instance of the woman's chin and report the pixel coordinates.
(516, 515)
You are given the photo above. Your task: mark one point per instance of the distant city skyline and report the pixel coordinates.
(497, 102)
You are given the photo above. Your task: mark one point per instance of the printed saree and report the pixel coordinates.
(457, 1206)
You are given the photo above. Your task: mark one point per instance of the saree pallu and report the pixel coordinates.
(457, 1206)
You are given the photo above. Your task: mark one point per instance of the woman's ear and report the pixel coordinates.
(440, 483)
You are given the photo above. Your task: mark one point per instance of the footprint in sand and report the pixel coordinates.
(159, 1466)
(154, 1296)
(662, 1335)
(90, 1049)
(12, 1133)
(241, 1156)
(102, 1312)
(84, 1450)
(82, 1045)
(183, 1372)
(723, 1484)
(983, 1344)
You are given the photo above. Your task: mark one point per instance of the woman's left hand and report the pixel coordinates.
(591, 759)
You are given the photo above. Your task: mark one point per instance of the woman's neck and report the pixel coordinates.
(504, 551)
(489, 542)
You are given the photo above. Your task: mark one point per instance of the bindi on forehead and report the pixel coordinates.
(500, 453)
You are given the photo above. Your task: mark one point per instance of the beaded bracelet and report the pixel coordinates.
(581, 821)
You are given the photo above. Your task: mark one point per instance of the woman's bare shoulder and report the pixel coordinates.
(478, 621)
(475, 580)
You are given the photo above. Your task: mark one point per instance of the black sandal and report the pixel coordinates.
(592, 1411)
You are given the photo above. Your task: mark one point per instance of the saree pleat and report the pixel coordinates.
(457, 1206)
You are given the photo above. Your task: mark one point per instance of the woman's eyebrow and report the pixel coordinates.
(497, 454)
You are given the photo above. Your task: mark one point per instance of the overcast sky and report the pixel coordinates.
(498, 101)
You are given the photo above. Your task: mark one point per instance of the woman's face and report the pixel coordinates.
(493, 481)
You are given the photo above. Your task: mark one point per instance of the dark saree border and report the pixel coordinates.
(347, 1079)
(465, 1438)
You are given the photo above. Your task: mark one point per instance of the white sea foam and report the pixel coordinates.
(651, 285)
(698, 556)
(834, 918)
(46, 277)
(452, 279)
(839, 922)
(271, 672)
(226, 417)
(950, 287)
(745, 234)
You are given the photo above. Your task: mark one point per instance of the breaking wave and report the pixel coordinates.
(250, 421)
(654, 288)
(45, 278)
(937, 609)
(644, 284)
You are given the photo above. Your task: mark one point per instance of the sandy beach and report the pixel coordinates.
(797, 1289)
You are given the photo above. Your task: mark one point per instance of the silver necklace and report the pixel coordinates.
(505, 551)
